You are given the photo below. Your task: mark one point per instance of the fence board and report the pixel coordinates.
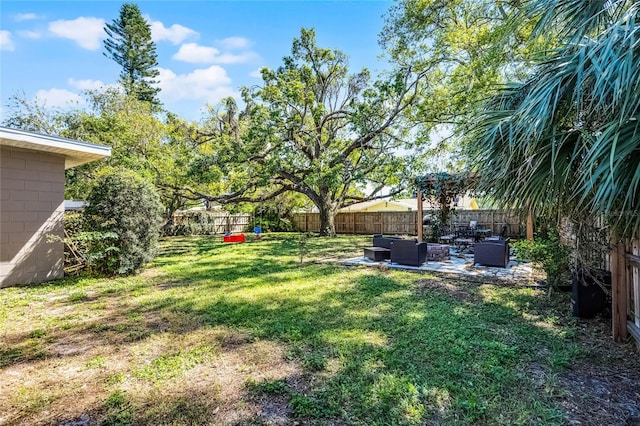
(633, 287)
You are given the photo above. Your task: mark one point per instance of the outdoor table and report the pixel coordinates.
(377, 254)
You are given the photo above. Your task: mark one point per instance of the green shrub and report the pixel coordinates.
(126, 210)
(75, 248)
(82, 247)
(549, 252)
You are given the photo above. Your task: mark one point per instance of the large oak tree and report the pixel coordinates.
(315, 129)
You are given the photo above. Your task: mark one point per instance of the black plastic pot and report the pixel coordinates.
(588, 298)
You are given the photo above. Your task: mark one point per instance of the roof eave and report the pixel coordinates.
(75, 152)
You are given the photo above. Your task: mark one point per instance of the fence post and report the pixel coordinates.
(419, 214)
(619, 291)
(493, 222)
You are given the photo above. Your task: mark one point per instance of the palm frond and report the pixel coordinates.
(569, 137)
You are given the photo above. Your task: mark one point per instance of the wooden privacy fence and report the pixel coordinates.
(405, 223)
(491, 219)
(400, 223)
(212, 222)
(625, 289)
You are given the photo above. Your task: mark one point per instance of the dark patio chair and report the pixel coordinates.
(408, 252)
(491, 253)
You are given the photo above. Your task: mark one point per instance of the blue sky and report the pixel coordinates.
(207, 50)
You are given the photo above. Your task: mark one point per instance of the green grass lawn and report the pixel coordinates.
(217, 333)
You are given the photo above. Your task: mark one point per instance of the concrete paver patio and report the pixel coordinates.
(459, 263)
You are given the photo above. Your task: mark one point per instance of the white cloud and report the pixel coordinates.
(176, 34)
(25, 17)
(234, 43)
(256, 73)
(29, 34)
(58, 97)
(195, 53)
(86, 84)
(6, 43)
(241, 58)
(210, 84)
(87, 32)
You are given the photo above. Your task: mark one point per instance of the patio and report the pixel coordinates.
(460, 263)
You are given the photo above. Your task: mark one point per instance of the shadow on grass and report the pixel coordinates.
(402, 359)
(374, 350)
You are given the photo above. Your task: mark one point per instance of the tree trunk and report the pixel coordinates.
(327, 219)
(173, 205)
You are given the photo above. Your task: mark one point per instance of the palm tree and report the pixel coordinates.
(568, 138)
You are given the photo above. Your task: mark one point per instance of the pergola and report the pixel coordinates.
(442, 187)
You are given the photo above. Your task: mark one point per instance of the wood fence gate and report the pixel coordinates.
(625, 289)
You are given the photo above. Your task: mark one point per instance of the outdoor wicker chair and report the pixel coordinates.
(504, 233)
(491, 253)
(408, 252)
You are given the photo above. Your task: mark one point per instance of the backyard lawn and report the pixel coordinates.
(217, 333)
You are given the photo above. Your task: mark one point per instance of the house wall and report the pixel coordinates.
(31, 208)
(387, 207)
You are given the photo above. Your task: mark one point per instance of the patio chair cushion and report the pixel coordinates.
(408, 252)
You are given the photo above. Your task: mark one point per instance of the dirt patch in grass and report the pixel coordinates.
(103, 360)
(452, 288)
(601, 395)
(601, 387)
(193, 378)
(604, 387)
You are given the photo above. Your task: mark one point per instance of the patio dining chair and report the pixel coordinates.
(504, 234)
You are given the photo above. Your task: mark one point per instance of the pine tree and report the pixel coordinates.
(129, 44)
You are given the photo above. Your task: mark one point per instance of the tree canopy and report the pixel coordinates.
(315, 129)
(466, 48)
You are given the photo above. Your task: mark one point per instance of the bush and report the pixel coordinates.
(127, 210)
(81, 247)
(549, 252)
(273, 218)
(74, 248)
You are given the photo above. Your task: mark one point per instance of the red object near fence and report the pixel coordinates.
(234, 238)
